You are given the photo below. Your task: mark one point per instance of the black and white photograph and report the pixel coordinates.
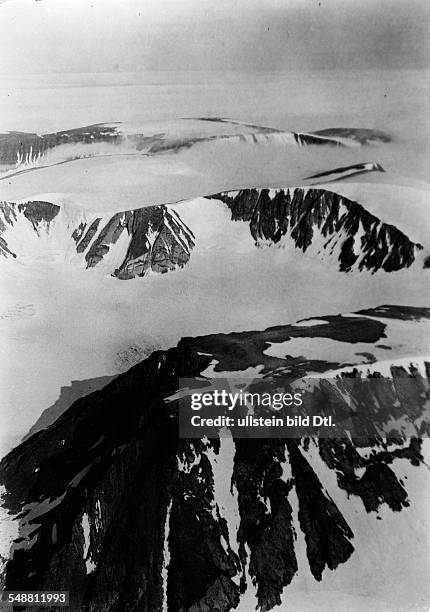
(215, 305)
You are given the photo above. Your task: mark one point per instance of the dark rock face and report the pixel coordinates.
(18, 148)
(108, 235)
(403, 313)
(270, 536)
(341, 228)
(336, 174)
(159, 242)
(112, 502)
(87, 237)
(311, 139)
(37, 213)
(327, 534)
(156, 238)
(238, 351)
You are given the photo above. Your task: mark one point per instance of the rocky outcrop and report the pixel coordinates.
(111, 501)
(324, 224)
(327, 534)
(153, 238)
(159, 242)
(338, 174)
(304, 139)
(24, 148)
(156, 240)
(83, 238)
(39, 214)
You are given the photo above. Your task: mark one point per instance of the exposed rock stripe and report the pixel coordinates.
(336, 226)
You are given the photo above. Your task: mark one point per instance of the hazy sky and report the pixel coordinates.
(103, 35)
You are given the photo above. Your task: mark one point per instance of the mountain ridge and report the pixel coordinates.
(29, 150)
(130, 243)
(90, 482)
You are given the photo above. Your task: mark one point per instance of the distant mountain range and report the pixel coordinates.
(25, 150)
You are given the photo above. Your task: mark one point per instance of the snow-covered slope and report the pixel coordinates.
(321, 222)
